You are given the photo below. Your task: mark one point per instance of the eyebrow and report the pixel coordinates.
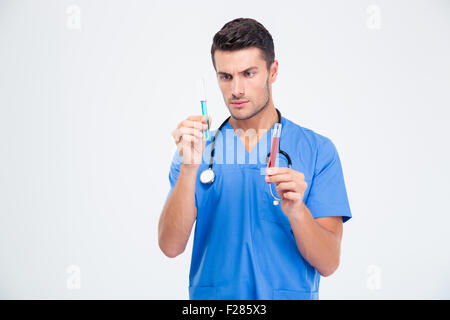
(248, 69)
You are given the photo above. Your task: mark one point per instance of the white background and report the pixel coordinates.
(86, 112)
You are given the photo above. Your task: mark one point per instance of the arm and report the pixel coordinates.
(178, 214)
(319, 240)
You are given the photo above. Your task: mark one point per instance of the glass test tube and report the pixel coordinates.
(204, 109)
(275, 145)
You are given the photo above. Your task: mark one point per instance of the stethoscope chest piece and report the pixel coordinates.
(207, 176)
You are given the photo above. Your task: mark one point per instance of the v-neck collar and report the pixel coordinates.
(263, 138)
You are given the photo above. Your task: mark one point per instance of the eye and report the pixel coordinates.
(249, 73)
(224, 77)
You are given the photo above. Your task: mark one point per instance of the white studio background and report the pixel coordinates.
(91, 90)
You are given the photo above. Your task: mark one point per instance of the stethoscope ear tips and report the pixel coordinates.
(276, 202)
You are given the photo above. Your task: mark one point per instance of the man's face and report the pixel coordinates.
(244, 81)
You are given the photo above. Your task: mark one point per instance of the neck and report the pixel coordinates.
(261, 122)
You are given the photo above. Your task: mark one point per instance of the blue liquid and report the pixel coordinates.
(205, 113)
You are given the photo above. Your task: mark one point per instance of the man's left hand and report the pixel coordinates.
(290, 186)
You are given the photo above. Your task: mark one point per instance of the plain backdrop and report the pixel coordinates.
(91, 90)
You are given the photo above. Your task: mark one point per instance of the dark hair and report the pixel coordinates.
(243, 33)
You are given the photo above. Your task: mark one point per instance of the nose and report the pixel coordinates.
(237, 87)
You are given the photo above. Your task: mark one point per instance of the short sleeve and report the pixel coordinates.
(328, 195)
(174, 173)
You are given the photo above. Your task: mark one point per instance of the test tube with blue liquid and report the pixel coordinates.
(204, 108)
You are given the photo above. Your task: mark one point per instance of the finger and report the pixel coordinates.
(187, 138)
(279, 178)
(277, 170)
(294, 196)
(197, 118)
(209, 122)
(282, 170)
(191, 131)
(193, 124)
(176, 135)
(203, 119)
(192, 138)
(299, 185)
(287, 186)
(281, 193)
(199, 144)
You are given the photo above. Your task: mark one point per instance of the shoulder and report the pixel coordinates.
(306, 135)
(314, 148)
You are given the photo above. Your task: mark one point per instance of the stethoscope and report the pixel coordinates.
(207, 176)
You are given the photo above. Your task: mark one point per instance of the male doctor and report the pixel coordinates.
(245, 246)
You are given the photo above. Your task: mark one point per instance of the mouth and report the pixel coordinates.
(238, 103)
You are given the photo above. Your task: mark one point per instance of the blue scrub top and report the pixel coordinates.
(244, 247)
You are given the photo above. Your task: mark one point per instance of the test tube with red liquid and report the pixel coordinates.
(275, 145)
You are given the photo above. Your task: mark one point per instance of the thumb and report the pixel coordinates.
(209, 121)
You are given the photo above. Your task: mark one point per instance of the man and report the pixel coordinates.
(245, 246)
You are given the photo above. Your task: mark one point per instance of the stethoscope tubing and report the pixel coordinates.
(208, 175)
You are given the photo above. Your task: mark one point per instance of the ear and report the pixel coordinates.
(273, 72)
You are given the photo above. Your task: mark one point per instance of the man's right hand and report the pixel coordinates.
(189, 139)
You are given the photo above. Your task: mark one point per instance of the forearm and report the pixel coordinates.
(179, 214)
(319, 246)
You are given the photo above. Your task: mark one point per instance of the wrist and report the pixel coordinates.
(190, 169)
(299, 213)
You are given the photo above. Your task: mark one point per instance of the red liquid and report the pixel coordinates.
(274, 151)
